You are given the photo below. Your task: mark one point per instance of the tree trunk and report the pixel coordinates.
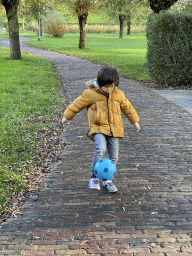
(129, 27)
(11, 8)
(82, 22)
(41, 25)
(122, 22)
(23, 24)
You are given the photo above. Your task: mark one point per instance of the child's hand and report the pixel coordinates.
(137, 127)
(64, 120)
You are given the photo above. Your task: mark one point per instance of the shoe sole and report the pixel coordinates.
(94, 188)
(109, 191)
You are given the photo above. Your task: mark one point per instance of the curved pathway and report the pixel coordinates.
(152, 212)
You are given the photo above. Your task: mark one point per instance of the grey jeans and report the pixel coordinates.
(105, 143)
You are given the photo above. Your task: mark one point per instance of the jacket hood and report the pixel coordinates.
(92, 84)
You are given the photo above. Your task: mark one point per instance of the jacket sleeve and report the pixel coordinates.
(77, 105)
(128, 110)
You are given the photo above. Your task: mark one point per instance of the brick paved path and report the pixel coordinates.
(151, 215)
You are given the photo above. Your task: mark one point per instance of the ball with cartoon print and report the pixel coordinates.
(105, 169)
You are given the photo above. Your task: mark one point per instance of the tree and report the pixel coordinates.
(183, 5)
(121, 9)
(159, 5)
(36, 9)
(128, 24)
(1, 12)
(188, 5)
(11, 7)
(82, 8)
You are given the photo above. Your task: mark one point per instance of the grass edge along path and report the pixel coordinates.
(30, 124)
(128, 54)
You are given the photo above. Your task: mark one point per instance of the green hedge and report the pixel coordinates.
(169, 47)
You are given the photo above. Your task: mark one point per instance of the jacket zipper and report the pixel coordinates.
(107, 95)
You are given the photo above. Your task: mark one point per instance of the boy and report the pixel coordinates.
(104, 103)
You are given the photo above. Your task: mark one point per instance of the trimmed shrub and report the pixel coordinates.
(169, 47)
(54, 24)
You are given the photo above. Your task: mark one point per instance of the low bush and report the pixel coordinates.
(54, 24)
(169, 47)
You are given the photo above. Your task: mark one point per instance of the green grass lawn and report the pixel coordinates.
(29, 88)
(127, 54)
(3, 37)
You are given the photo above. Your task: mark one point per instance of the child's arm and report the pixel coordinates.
(76, 106)
(130, 112)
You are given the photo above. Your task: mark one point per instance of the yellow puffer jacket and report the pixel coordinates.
(104, 111)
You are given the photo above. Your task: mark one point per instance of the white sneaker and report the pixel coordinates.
(109, 186)
(94, 183)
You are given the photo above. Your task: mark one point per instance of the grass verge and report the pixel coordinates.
(127, 54)
(30, 106)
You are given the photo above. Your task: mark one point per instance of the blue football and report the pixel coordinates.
(105, 169)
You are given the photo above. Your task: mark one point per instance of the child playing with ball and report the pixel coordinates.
(104, 103)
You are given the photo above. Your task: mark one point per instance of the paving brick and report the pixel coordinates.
(182, 236)
(154, 235)
(105, 246)
(18, 247)
(150, 254)
(49, 247)
(38, 252)
(42, 242)
(169, 248)
(115, 236)
(178, 254)
(162, 240)
(8, 252)
(134, 250)
(70, 252)
(117, 254)
(184, 240)
(187, 249)
(84, 246)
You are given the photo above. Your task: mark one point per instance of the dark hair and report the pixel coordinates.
(107, 75)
